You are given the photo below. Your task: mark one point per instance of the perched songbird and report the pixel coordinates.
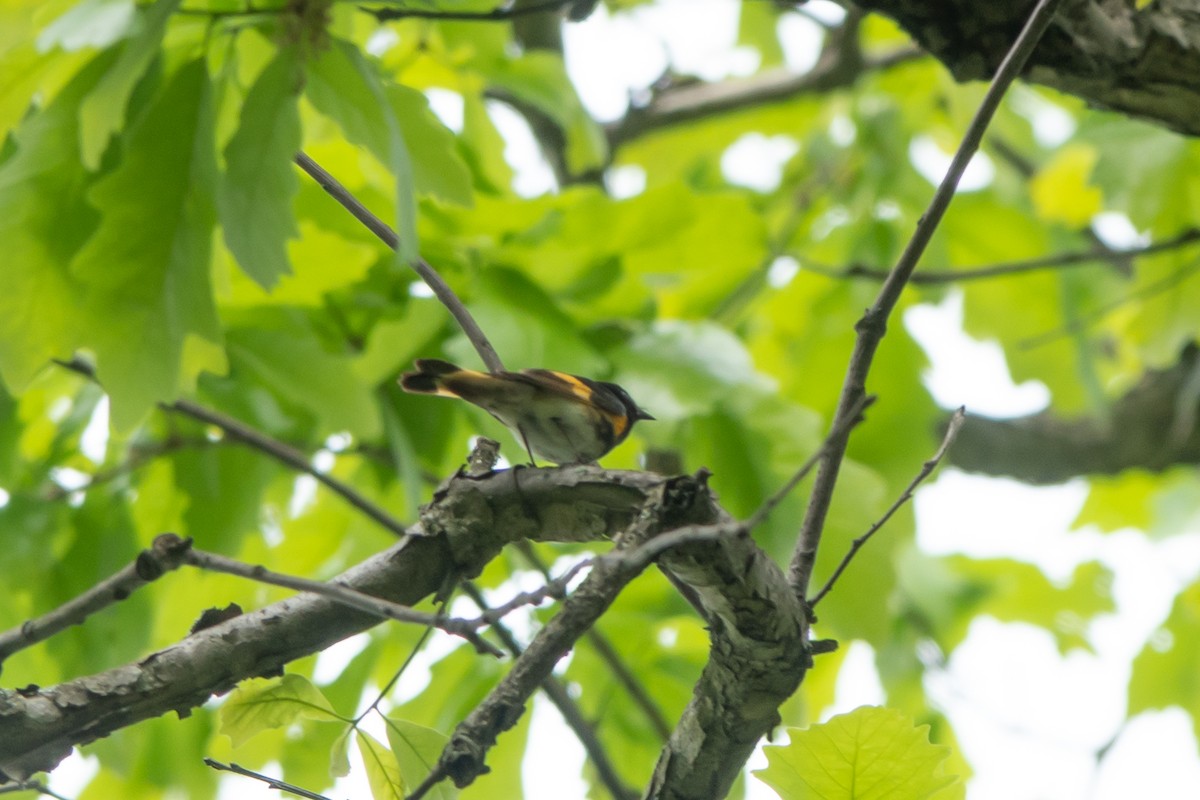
(562, 418)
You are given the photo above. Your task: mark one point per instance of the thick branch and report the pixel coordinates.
(839, 66)
(758, 656)
(1152, 427)
(473, 519)
(1140, 59)
(38, 727)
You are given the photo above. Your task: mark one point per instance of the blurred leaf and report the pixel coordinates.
(417, 750)
(43, 218)
(148, 260)
(342, 85)
(867, 753)
(89, 24)
(1164, 672)
(255, 199)
(261, 704)
(1060, 190)
(383, 771)
(437, 167)
(103, 112)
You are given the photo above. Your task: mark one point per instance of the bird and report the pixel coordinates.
(566, 419)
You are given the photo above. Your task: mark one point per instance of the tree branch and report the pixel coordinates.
(465, 526)
(162, 557)
(674, 502)
(1075, 258)
(272, 783)
(609, 655)
(1135, 58)
(872, 327)
(566, 705)
(513, 11)
(432, 279)
(952, 428)
(1152, 427)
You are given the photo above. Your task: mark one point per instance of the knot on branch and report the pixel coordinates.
(166, 554)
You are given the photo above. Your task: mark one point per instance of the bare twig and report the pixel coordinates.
(555, 588)
(428, 274)
(289, 456)
(567, 707)
(873, 325)
(841, 429)
(512, 11)
(952, 428)
(162, 557)
(273, 783)
(1057, 261)
(31, 786)
(609, 655)
(353, 598)
(691, 102)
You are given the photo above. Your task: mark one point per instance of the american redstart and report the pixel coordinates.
(562, 418)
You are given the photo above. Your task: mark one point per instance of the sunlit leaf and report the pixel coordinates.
(867, 753)
(262, 704)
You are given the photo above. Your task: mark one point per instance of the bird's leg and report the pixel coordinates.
(528, 449)
(566, 434)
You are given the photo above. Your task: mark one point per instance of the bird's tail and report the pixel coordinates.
(427, 378)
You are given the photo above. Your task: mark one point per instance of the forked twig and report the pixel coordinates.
(956, 422)
(873, 325)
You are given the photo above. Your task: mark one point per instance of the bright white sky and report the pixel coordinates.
(1028, 720)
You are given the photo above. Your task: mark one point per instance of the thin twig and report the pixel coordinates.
(289, 456)
(956, 422)
(612, 659)
(562, 700)
(381, 229)
(1081, 322)
(139, 456)
(163, 556)
(873, 325)
(1075, 258)
(32, 786)
(843, 428)
(412, 656)
(554, 588)
(352, 598)
(502, 13)
(273, 783)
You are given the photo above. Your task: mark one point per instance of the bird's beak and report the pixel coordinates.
(642, 415)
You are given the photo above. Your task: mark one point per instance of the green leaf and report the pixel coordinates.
(261, 704)
(343, 86)
(103, 112)
(1060, 190)
(417, 749)
(950, 592)
(866, 754)
(255, 200)
(437, 167)
(43, 218)
(383, 773)
(1164, 673)
(146, 268)
(484, 147)
(281, 350)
